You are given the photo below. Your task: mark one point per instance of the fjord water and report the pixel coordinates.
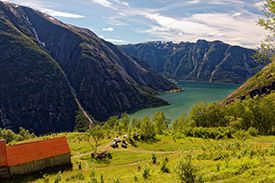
(194, 92)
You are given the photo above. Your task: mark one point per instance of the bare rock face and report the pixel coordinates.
(46, 66)
(200, 61)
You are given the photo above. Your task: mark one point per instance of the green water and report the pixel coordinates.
(194, 92)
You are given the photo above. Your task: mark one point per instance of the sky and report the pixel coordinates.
(135, 21)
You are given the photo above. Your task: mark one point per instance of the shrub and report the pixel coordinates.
(166, 159)
(76, 177)
(93, 177)
(146, 173)
(240, 134)
(116, 181)
(186, 172)
(154, 159)
(211, 133)
(10, 136)
(252, 131)
(164, 168)
(209, 115)
(147, 130)
(101, 179)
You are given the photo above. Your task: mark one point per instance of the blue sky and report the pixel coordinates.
(134, 21)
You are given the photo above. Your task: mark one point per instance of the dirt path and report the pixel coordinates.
(133, 150)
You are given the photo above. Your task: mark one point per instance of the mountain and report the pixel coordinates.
(201, 61)
(260, 84)
(50, 70)
(34, 91)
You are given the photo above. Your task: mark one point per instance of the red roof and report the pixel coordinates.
(3, 153)
(37, 150)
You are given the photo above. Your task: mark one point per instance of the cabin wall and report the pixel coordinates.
(3, 153)
(40, 164)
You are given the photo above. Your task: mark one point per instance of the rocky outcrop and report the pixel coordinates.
(68, 69)
(200, 61)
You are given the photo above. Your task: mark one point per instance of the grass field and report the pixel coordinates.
(227, 160)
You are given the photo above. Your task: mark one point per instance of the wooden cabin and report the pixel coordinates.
(33, 156)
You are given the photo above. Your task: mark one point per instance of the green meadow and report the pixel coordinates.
(225, 160)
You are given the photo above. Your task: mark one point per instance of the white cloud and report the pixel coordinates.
(44, 7)
(210, 26)
(112, 4)
(116, 41)
(104, 3)
(61, 14)
(109, 29)
(123, 3)
(237, 14)
(193, 1)
(260, 4)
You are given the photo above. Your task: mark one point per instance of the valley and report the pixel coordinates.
(116, 91)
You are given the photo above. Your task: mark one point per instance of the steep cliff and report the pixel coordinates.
(201, 61)
(34, 92)
(86, 70)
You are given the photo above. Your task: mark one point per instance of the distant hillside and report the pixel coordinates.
(201, 61)
(262, 83)
(49, 70)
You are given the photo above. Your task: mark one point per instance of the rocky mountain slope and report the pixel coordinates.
(49, 70)
(202, 61)
(34, 92)
(262, 83)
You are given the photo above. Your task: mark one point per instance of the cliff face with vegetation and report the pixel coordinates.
(262, 83)
(202, 61)
(49, 69)
(34, 92)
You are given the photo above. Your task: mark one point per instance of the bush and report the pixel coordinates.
(209, 115)
(76, 177)
(101, 179)
(240, 134)
(164, 168)
(186, 172)
(10, 136)
(146, 173)
(147, 130)
(116, 181)
(211, 133)
(252, 131)
(93, 177)
(154, 159)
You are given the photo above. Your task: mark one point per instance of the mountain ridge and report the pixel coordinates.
(104, 80)
(202, 61)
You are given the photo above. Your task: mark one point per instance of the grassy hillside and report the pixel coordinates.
(228, 160)
(263, 82)
(214, 143)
